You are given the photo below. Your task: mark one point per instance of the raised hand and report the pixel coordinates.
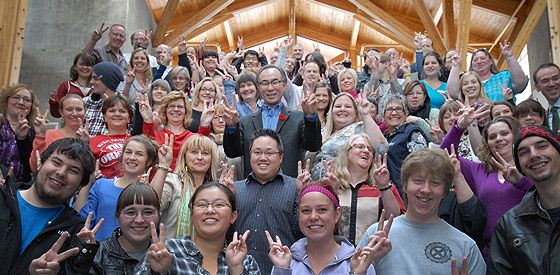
(98, 33)
(231, 116)
(88, 235)
(165, 151)
(236, 252)
(456, 59)
(381, 174)
(316, 47)
(507, 92)
(469, 115)
(304, 177)
(435, 131)
(22, 127)
(40, 123)
(280, 255)
(49, 263)
(453, 157)
(347, 57)
(507, 50)
(464, 267)
(203, 43)
(509, 171)
(130, 75)
(159, 258)
(208, 112)
(286, 42)
(240, 43)
(330, 175)
(145, 178)
(145, 108)
(364, 106)
(83, 132)
(227, 177)
(182, 44)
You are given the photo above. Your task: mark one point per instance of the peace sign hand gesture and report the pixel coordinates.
(98, 33)
(507, 92)
(49, 263)
(435, 131)
(469, 115)
(227, 177)
(464, 267)
(509, 171)
(40, 123)
(507, 50)
(88, 235)
(330, 175)
(364, 106)
(145, 108)
(381, 174)
(207, 115)
(236, 252)
(165, 151)
(159, 258)
(22, 127)
(231, 116)
(83, 132)
(304, 177)
(280, 255)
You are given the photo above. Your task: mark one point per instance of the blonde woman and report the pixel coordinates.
(139, 75)
(206, 92)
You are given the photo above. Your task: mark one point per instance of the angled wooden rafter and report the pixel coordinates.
(198, 19)
(164, 21)
(214, 22)
(343, 6)
(438, 12)
(449, 29)
(384, 31)
(428, 23)
(463, 30)
(229, 34)
(323, 36)
(374, 11)
(244, 5)
(510, 22)
(353, 41)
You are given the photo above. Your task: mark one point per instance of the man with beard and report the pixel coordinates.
(36, 219)
(526, 239)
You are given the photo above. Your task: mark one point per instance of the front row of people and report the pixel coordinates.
(45, 236)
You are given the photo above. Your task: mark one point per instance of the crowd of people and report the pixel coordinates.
(243, 163)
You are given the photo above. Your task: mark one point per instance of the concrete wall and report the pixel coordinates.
(56, 30)
(539, 50)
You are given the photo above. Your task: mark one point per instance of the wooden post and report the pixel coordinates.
(353, 41)
(554, 23)
(12, 30)
(449, 29)
(463, 29)
(164, 21)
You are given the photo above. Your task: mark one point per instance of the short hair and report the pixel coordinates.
(195, 100)
(529, 106)
(451, 106)
(483, 151)
(180, 70)
(148, 70)
(542, 67)
(117, 25)
(393, 98)
(244, 78)
(341, 163)
(410, 85)
(87, 59)
(283, 76)
(250, 52)
(319, 59)
(151, 149)
(161, 83)
(229, 194)
(501, 102)
(201, 142)
(209, 53)
(175, 95)
(268, 133)
(440, 167)
(346, 71)
(10, 91)
(493, 68)
(137, 193)
(113, 101)
(74, 149)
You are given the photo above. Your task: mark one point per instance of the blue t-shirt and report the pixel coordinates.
(33, 220)
(436, 100)
(492, 85)
(102, 202)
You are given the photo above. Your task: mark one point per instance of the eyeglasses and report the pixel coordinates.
(274, 83)
(203, 205)
(396, 109)
(531, 114)
(250, 59)
(361, 147)
(210, 90)
(180, 107)
(218, 117)
(180, 78)
(267, 154)
(18, 98)
(132, 213)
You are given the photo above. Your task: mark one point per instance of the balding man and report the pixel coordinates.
(112, 51)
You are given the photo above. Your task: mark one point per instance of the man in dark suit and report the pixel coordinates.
(164, 68)
(299, 131)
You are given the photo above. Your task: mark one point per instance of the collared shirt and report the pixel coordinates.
(271, 206)
(188, 260)
(556, 104)
(105, 53)
(244, 109)
(270, 116)
(94, 116)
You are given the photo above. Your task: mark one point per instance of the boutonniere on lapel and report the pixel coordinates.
(282, 117)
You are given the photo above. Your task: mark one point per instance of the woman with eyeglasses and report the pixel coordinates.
(181, 80)
(19, 108)
(365, 188)
(206, 94)
(346, 117)
(175, 116)
(137, 207)
(197, 163)
(207, 251)
(100, 197)
(484, 66)
(403, 138)
(530, 112)
(418, 101)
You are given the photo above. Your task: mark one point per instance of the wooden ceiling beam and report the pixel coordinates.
(375, 11)
(449, 29)
(252, 39)
(498, 7)
(554, 27)
(323, 36)
(196, 20)
(526, 30)
(512, 20)
(292, 21)
(229, 35)
(343, 6)
(214, 22)
(428, 23)
(384, 31)
(353, 41)
(244, 5)
(438, 12)
(164, 21)
(463, 30)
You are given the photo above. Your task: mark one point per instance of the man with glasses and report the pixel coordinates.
(267, 188)
(300, 131)
(547, 81)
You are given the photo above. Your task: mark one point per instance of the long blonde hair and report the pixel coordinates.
(481, 93)
(329, 126)
(341, 162)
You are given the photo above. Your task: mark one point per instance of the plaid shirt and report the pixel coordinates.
(188, 260)
(96, 123)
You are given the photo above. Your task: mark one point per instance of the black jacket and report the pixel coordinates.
(469, 217)
(525, 241)
(111, 257)
(10, 237)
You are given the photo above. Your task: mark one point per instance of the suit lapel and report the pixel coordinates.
(257, 120)
(281, 122)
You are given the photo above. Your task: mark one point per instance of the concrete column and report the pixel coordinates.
(539, 50)
(58, 30)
